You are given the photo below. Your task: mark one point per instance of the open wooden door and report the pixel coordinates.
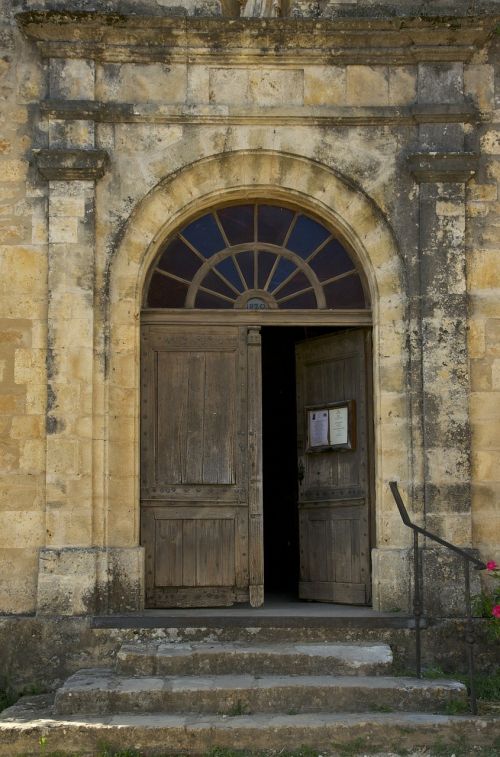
(201, 481)
(334, 486)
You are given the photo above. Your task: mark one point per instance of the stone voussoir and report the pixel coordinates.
(163, 658)
(103, 692)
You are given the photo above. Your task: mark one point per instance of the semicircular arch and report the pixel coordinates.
(281, 178)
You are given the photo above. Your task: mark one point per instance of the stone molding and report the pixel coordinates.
(110, 112)
(430, 113)
(166, 39)
(443, 166)
(71, 165)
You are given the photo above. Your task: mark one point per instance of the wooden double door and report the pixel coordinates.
(202, 514)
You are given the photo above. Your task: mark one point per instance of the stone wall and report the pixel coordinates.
(23, 322)
(103, 157)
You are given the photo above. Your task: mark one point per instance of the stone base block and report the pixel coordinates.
(443, 582)
(392, 572)
(90, 580)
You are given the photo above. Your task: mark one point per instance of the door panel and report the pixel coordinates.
(196, 489)
(335, 488)
(200, 416)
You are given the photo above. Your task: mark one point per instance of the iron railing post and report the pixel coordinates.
(418, 591)
(417, 604)
(469, 639)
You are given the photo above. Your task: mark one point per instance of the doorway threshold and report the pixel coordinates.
(276, 611)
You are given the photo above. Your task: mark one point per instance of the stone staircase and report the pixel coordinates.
(164, 697)
(228, 679)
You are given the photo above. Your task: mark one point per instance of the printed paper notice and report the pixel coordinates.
(339, 425)
(318, 428)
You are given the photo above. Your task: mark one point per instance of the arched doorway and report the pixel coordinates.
(252, 300)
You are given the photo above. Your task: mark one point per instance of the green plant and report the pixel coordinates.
(355, 747)
(433, 673)
(33, 689)
(107, 752)
(303, 751)
(456, 707)
(487, 685)
(7, 698)
(487, 603)
(239, 708)
(383, 708)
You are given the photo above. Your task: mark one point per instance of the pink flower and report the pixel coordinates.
(496, 611)
(491, 565)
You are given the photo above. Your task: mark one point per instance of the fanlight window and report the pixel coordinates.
(255, 256)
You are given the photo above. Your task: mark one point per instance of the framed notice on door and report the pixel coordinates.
(331, 427)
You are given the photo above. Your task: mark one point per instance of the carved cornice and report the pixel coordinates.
(292, 41)
(71, 165)
(443, 166)
(104, 112)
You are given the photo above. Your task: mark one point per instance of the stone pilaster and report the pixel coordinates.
(442, 169)
(77, 572)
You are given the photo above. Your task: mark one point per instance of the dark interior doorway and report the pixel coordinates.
(281, 529)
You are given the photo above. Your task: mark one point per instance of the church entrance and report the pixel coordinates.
(316, 501)
(255, 429)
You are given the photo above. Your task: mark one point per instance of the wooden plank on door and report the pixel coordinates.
(195, 490)
(334, 495)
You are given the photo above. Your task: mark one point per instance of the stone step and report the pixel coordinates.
(100, 692)
(336, 733)
(163, 658)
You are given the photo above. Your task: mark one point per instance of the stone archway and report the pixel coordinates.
(316, 188)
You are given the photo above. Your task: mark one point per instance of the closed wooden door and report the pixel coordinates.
(201, 487)
(334, 486)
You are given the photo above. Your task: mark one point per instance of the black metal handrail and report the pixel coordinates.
(418, 591)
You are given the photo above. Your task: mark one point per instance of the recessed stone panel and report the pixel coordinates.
(136, 83)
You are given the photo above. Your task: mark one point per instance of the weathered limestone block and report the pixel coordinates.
(276, 87)
(445, 570)
(367, 85)
(80, 581)
(483, 271)
(391, 585)
(479, 84)
(77, 133)
(485, 515)
(490, 141)
(20, 565)
(324, 85)
(402, 85)
(71, 79)
(146, 139)
(495, 375)
(250, 86)
(25, 527)
(136, 83)
(441, 83)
